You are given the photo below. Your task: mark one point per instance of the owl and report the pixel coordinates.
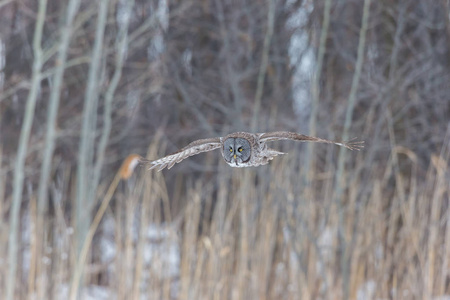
(242, 149)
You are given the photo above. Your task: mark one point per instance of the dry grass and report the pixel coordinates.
(254, 233)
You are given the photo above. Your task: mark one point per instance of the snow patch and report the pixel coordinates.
(366, 291)
(302, 58)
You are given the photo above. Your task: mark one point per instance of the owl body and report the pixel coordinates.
(242, 149)
(253, 152)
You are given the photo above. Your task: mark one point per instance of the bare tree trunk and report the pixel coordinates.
(121, 49)
(22, 151)
(340, 175)
(85, 189)
(65, 37)
(309, 164)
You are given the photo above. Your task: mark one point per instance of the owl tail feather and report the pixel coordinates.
(271, 153)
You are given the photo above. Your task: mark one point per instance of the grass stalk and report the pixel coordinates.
(123, 173)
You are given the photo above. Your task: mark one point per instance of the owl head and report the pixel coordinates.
(236, 151)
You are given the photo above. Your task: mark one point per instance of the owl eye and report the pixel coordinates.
(231, 149)
(240, 149)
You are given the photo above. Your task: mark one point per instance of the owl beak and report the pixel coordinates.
(234, 156)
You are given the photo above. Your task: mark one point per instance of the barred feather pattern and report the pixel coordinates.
(285, 135)
(193, 148)
(260, 153)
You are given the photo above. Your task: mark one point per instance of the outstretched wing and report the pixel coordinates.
(285, 135)
(193, 148)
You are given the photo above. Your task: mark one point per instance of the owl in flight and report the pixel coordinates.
(242, 149)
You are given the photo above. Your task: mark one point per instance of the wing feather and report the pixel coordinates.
(193, 148)
(285, 135)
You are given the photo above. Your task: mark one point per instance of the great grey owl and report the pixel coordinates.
(242, 149)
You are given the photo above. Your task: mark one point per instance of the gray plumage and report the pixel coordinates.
(242, 149)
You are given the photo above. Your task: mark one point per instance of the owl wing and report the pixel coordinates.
(285, 135)
(193, 148)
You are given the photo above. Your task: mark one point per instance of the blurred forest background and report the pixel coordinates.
(84, 84)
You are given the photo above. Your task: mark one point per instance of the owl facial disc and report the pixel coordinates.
(237, 151)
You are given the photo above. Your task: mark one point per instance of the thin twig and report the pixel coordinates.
(264, 63)
(231, 75)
